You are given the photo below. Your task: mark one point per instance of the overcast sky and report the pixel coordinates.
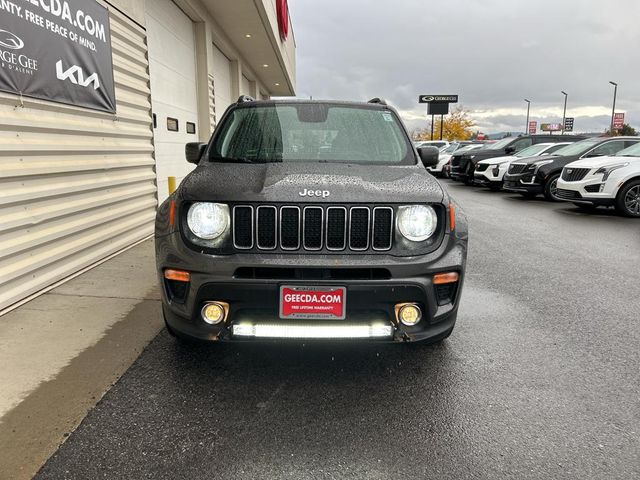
(493, 53)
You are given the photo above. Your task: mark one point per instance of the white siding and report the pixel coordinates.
(221, 81)
(76, 185)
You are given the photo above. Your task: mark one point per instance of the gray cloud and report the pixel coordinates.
(494, 53)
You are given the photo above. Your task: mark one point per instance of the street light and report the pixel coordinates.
(613, 110)
(564, 112)
(526, 128)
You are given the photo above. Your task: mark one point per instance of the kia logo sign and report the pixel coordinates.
(10, 40)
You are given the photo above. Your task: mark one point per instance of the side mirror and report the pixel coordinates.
(429, 155)
(193, 151)
(510, 150)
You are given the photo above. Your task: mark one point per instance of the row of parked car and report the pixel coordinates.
(589, 172)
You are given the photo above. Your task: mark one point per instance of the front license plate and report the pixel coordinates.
(313, 302)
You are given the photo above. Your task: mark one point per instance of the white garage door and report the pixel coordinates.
(245, 87)
(172, 66)
(221, 82)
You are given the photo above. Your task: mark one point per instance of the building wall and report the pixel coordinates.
(76, 185)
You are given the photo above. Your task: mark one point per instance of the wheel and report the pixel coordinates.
(628, 199)
(587, 207)
(551, 189)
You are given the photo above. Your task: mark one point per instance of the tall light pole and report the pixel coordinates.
(564, 112)
(613, 110)
(526, 128)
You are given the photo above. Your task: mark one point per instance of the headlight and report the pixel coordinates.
(607, 170)
(208, 220)
(536, 165)
(417, 222)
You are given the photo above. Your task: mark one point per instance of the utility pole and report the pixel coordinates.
(441, 125)
(564, 112)
(526, 128)
(613, 110)
(432, 120)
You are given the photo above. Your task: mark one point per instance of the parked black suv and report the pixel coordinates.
(539, 175)
(308, 219)
(463, 164)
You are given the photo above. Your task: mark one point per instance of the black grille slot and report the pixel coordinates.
(267, 227)
(336, 228)
(359, 228)
(290, 228)
(568, 194)
(279, 273)
(312, 228)
(243, 227)
(516, 168)
(445, 293)
(382, 228)
(593, 188)
(574, 174)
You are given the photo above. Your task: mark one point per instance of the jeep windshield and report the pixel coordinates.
(311, 132)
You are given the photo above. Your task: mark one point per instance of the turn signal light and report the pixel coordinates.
(177, 275)
(172, 213)
(452, 217)
(449, 277)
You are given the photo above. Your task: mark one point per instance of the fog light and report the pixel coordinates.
(213, 313)
(409, 314)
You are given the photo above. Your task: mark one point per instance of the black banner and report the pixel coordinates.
(57, 50)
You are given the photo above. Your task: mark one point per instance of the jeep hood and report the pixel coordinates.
(283, 182)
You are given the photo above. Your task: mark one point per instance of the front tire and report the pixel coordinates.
(551, 189)
(628, 199)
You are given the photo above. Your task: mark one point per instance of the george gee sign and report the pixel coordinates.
(57, 50)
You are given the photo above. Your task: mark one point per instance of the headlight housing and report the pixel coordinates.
(416, 222)
(607, 170)
(208, 221)
(536, 165)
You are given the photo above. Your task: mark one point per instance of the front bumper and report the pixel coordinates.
(589, 191)
(250, 285)
(526, 182)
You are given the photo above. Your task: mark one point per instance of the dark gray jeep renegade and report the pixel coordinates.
(310, 220)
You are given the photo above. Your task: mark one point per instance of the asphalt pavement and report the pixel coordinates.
(540, 378)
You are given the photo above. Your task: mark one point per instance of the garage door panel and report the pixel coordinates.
(172, 63)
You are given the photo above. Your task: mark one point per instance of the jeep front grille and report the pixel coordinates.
(312, 228)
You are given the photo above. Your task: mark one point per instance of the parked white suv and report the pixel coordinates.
(608, 181)
(445, 156)
(490, 172)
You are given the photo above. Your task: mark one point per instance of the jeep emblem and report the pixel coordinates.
(314, 193)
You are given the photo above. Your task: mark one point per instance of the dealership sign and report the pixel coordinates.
(533, 126)
(438, 99)
(618, 121)
(550, 127)
(57, 50)
(568, 124)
